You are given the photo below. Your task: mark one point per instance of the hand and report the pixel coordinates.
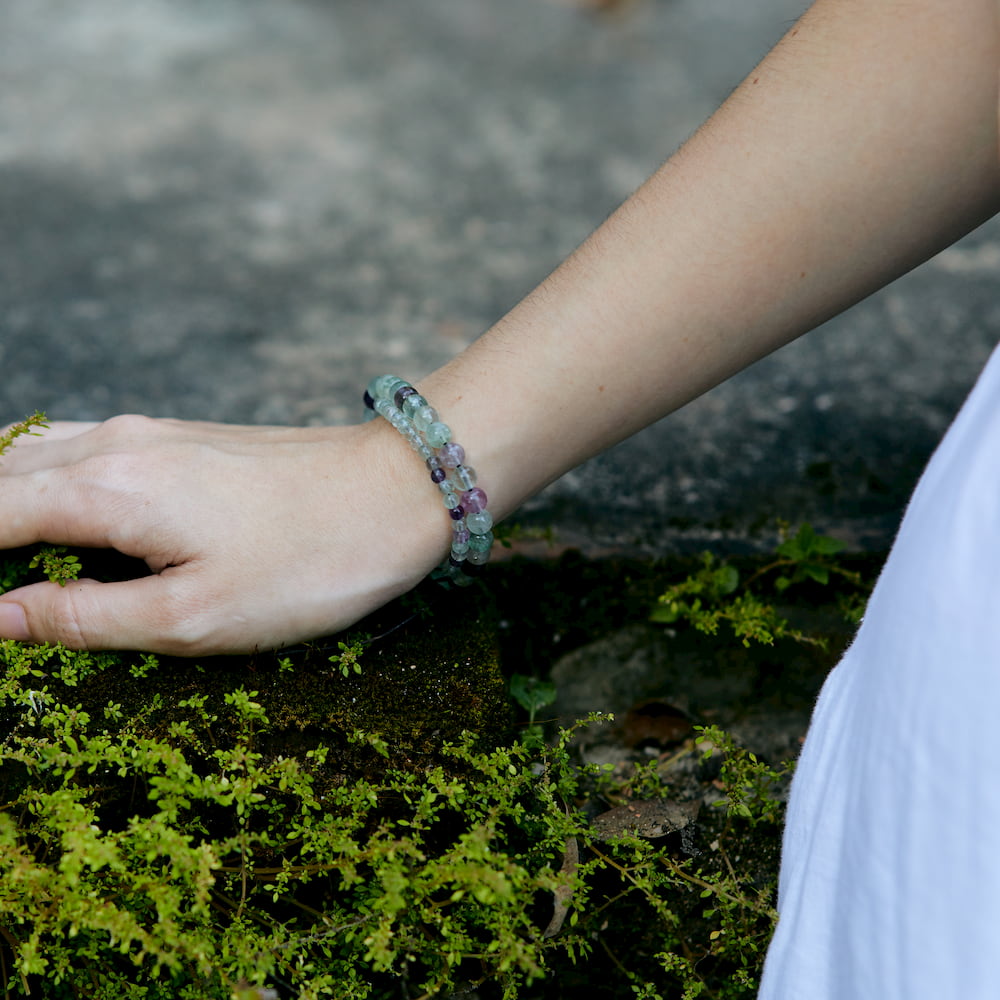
(256, 537)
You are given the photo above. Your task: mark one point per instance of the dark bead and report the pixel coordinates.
(438, 475)
(457, 563)
(401, 394)
(457, 513)
(369, 402)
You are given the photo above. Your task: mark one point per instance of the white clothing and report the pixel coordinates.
(890, 877)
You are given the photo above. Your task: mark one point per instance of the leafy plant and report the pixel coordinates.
(161, 842)
(532, 694)
(56, 563)
(166, 852)
(26, 426)
(716, 593)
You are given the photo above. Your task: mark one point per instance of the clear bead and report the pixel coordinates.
(465, 477)
(480, 522)
(478, 558)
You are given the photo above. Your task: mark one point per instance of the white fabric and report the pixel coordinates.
(890, 879)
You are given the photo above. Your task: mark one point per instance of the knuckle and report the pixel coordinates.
(63, 618)
(126, 427)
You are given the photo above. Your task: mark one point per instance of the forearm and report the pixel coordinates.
(863, 144)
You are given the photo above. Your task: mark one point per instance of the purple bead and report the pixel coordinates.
(461, 534)
(402, 393)
(474, 500)
(451, 455)
(457, 513)
(438, 475)
(369, 401)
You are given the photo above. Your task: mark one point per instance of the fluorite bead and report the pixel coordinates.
(402, 393)
(460, 548)
(438, 475)
(457, 514)
(451, 454)
(480, 522)
(424, 417)
(437, 434)
(461, 534)
(385, 386)
(481, 543)
(474, 500)
(464, 476)
(451, 499)
(478, 557)
(413, 403)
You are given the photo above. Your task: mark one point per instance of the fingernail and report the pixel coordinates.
(13, 623)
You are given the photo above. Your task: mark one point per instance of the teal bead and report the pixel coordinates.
(385, 386)
(481, 543)
(424, 417)
(373, 386)
(414, 403)
(480, 522)
(478, 558)
(437, 434)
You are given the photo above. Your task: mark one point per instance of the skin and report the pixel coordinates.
(864, 143)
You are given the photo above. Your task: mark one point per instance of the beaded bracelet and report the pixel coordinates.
(398, 402)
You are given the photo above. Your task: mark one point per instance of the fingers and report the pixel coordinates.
(63, 508)
(63, 443)
(152, 613)
(45, 434)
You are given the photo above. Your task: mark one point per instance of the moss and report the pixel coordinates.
(417, 688)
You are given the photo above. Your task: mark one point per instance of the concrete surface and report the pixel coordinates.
(241, 209)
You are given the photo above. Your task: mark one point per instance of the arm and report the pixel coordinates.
(865, 142)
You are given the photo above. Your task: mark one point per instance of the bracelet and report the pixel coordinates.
(398, 402)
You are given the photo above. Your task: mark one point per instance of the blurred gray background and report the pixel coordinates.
(240, 210)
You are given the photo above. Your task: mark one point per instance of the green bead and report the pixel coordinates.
(424, 417)
(414, 403)
(385, 386)
(437, 434)
(481, 543)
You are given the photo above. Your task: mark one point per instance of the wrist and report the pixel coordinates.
(418, 423)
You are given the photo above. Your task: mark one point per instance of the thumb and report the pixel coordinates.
(143, 614)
